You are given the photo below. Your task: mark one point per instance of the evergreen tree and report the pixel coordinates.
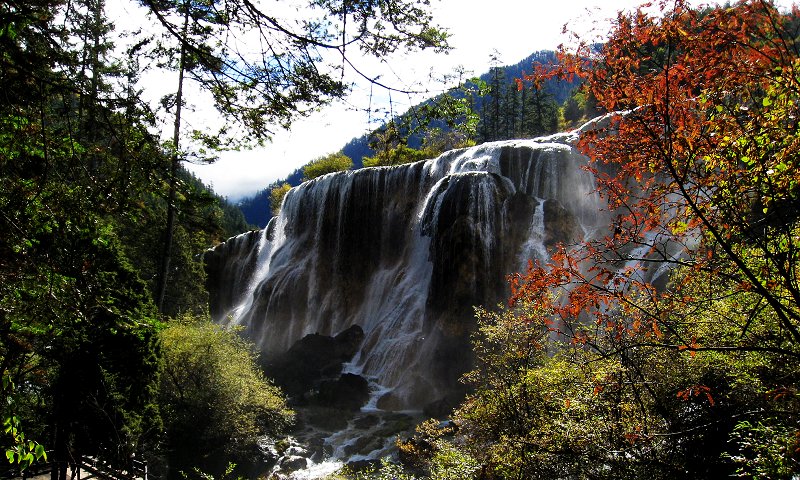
(90, 47)
(542, 113)
(511, 111)
(572, 111)
(492, 122)
(78, 186)
(524, 121)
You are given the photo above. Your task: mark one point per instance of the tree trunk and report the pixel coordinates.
(166, 253)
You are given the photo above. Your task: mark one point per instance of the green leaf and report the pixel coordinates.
(40, 452)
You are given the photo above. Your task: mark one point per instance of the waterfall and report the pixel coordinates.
(404, 252)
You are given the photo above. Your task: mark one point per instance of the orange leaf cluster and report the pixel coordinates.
(699, 156)
(696, 391)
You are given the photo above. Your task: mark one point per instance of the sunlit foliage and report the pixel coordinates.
(215, 400)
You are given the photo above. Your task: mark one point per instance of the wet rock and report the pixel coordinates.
(464, 243)
(229, 268)
(348, 341)
(389, 402)
(268, 451)
(296, 451)
(316, 449)
(349, 392)
(313, 358)
(324, 418)
(365, 444)
(361, 465)
(561, 226)
(366, 422)
(293, 463)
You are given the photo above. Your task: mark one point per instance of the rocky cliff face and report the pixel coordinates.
(405, 253)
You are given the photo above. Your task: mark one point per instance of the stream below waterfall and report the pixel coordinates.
(327, 439)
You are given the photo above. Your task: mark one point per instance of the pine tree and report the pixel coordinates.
(524, 101)
(542, 114)
(511, 112)
(572, 111)
(492, 123)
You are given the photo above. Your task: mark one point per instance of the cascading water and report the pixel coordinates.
(405, 253)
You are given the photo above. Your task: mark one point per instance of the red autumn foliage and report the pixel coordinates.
(699, 168)
(696, 391)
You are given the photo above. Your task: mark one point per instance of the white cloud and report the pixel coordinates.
(242, 173)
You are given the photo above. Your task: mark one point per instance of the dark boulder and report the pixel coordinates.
(313, 358)
(347, 342)
(348, 392)
(293, 463)
(561, 226)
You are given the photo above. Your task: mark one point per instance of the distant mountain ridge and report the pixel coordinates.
(257, 209)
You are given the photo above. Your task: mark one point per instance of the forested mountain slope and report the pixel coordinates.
(503, 110)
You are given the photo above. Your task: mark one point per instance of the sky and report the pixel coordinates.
(510, 29)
